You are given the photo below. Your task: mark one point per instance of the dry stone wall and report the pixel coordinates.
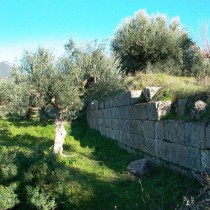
(137, 126)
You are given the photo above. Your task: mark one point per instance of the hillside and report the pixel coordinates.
(5, 68)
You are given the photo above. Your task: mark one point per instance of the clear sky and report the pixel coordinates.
(26, 24)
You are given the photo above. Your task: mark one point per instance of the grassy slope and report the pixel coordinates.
(173, 86)
(96, 170)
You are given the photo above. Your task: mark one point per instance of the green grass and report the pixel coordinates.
(173, 87)
(94, 176)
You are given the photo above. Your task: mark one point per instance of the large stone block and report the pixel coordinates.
(207, 140)
(138, 112)
(116, 135)
(127, 98)
(158, 109)
(125, 138)
(164, 150)
(117, 124)
(188, 157)
(135, 126)
(149, 128)
(151, 146)
(116, 113)
(102, 131)
(134, 141)
(173, 154)
(175, 131)
(134, 96)
(205, 160)
(150, 92)
(101, 105)
(159, 130)
(196, 134)
(190, 134)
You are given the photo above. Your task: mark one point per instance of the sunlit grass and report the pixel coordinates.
(173, 87)
(94, 175)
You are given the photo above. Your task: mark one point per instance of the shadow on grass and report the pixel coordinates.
(157, 186)
(26, 141)
(105, 150)
(27, 123)
(77, 187)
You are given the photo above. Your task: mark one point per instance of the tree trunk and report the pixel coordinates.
(60, 134)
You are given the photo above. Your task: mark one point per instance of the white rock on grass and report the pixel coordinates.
(198, 109)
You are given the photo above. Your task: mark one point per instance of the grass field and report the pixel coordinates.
(94, 176)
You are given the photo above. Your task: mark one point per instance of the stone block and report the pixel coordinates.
(163, 108)
(188, 157)
(110, 124)
(164, 150)
(207, 140)
(102, 131)
(134, 96)
(106, 103)
(150, 92)
(151, 146)
(173, 155)
(175, 131)
(135, 126)
(205, 160)
(116, 135)
(159, 130)
(116, 113)
(149, 128)
(127, 98)
(138, 112)
(152, 111)
(156, 110)
(196, 134)
(181, 106)
(133, 140)
(189, 134)
(101, 105)
(124, 137)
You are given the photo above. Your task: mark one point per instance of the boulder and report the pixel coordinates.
(139, 167)
(198, 109)
(150, 92)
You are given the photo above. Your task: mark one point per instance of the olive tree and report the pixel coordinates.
(154, 39)
(40, 81)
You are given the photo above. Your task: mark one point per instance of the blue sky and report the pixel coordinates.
(26, 24)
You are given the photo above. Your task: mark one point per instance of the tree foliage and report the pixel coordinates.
(100, 72)
(154, 39)
(41, 82)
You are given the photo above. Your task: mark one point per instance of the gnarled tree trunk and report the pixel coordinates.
(60, 134)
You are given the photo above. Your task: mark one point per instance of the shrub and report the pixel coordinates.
(40, 199)
(8, 197)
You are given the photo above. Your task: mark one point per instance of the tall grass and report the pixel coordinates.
(173, 87)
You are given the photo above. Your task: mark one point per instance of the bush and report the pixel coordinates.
(40, 199)
(8, 197)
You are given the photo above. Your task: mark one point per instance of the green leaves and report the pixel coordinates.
(154, 39)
